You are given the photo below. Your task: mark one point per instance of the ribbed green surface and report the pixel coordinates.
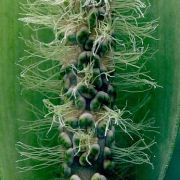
(164, 67)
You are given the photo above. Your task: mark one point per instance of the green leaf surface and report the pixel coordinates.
(173, 169)
(165, 68)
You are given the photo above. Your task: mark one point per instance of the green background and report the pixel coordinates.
(165, 68)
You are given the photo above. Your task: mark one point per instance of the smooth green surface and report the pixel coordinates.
(9, 98)
(165, 68)
(173, 169)
(12, 105)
